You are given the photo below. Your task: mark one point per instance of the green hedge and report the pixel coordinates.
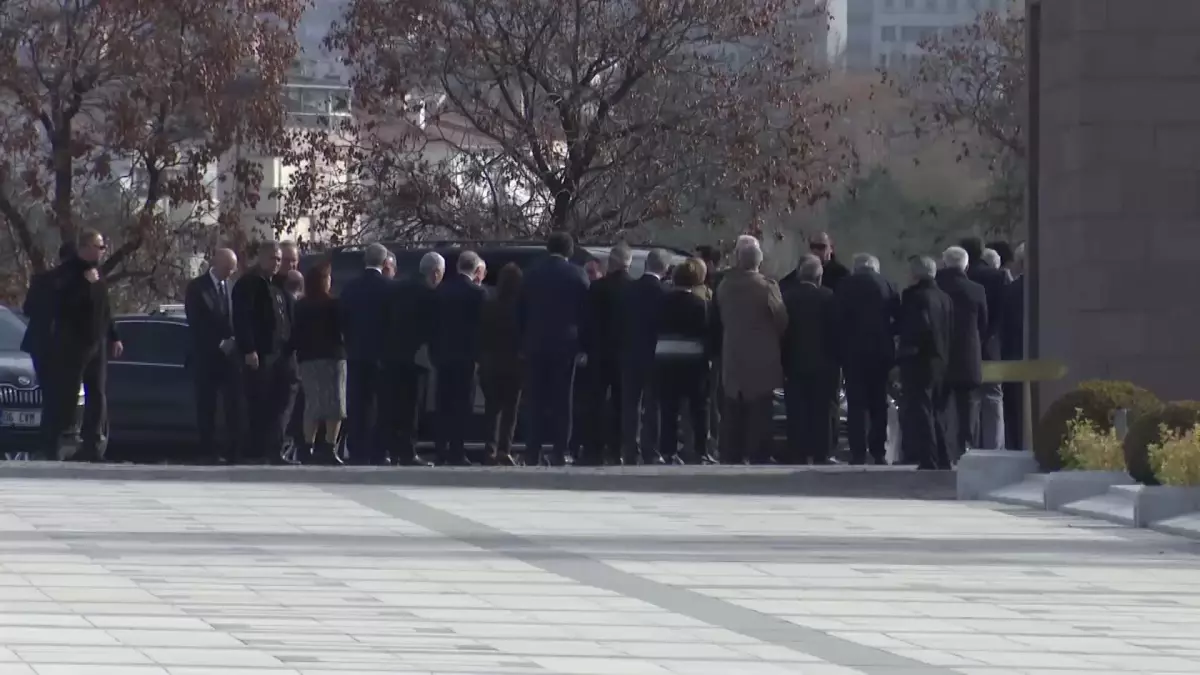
(1144, 432)
(1097, 399)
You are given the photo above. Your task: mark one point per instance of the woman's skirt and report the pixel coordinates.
(324, 382)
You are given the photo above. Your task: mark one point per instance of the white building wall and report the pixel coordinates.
(886, 33)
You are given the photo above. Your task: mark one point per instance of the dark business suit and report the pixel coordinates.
(1012, 348)
(686, 319)
(80, 332)
(409, 310)
(552, 314)
(215, 373)
(964, 372)
(605, 326)
(926, 314)
(38, 308)
(501, 374)
(810, 369)
(867, 306)
(642, 311)
(364, 326)
(262, 324)
(995, 282)
(454, 350)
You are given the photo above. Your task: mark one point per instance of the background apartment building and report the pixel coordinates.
(887, 33)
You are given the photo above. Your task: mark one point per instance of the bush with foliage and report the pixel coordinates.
(1176, 458)
(1177, 416)
(1090, 448)
(1095, 400)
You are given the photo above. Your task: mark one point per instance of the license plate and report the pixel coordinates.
(20, 418)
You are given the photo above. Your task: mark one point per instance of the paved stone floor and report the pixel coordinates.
(158, 578)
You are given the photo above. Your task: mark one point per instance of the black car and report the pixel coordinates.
(20, 392)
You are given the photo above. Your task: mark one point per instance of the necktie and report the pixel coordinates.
(224, 293)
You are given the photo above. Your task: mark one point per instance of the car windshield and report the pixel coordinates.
(12, 331)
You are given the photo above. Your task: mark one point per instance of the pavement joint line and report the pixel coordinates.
(682, 601)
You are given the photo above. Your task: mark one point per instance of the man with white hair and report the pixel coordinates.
(964, 372)
(868, 307)
(923, 350)
(642, 307)
(753, 321)
(454, 350)
(605, 312)
(364, 328)
(207, 303)
(991, 258)
(409, 311)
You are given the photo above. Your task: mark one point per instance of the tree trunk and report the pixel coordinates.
(63, 183)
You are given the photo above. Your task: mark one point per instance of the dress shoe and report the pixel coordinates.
(411, 461)
(503, 459)
(457, 461)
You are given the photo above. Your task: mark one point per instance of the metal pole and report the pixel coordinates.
(1032, 309)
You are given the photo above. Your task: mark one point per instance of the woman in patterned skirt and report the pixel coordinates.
(317, 335)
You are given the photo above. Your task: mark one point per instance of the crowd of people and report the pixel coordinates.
(678, 365)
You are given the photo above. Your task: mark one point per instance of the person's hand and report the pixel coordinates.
(581, 360)
(252, 360)
(117, 349)
(92, 275)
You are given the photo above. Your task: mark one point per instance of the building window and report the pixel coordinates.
(889, 4)
(883, 60)
(910, 4)
(931, 5)
(910, 33)
(887, 34)
(951, 5)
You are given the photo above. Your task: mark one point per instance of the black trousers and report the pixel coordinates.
(639, 413)
(867, 410)
(745, 428)
(455, 396)
(603, 409)
(401, 405)
(501, 403)
(67, 369)
(270, 393)
(1014, 415)
(679, 382)
(811, 400)
(550, 379)
(959, 408)
(922, 433)
(218, 384)
(364, 389)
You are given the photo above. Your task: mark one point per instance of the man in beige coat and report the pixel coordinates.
(753, 319)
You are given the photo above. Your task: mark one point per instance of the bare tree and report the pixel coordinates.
(141, 101)
(474, 116)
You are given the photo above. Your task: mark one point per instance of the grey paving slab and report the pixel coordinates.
(229, 578)
(875, 482)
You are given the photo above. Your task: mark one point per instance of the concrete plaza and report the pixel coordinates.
(195, 578)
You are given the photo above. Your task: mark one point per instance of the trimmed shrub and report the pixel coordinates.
(1087, 448)
(1176, 458)
(1095, 400)
(1145, 431)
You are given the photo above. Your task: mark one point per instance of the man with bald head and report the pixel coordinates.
(208, 304)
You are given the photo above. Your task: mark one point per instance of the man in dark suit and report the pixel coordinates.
(410, 310)
(868, 306)
(215, 368)
(1012, 348)
(454, 350)
(926, 314)
(641, 312)
(964, 372)
(990, 403)
(821, 245)
(364, 327)
(262, 330)
(81, 339)
(552, 315)
(38, 308)
(605, 326)
(810, 365)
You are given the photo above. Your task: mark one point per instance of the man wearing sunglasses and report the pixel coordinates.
(82, 338)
